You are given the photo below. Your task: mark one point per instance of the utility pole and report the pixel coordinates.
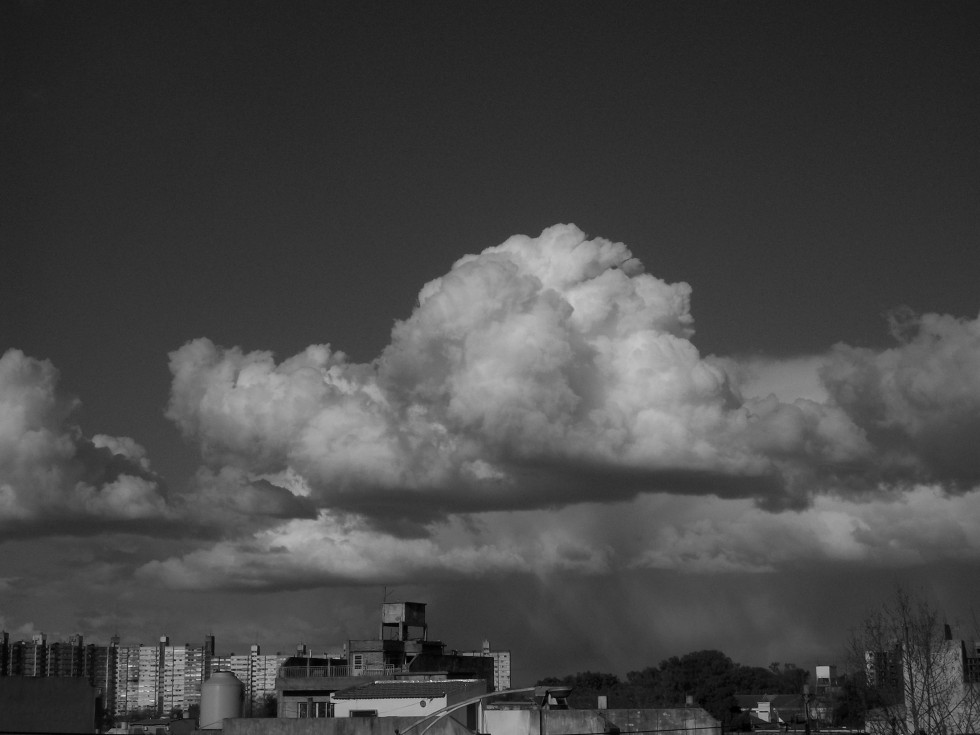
(806, 709)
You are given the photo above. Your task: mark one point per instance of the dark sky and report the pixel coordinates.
(271, 176)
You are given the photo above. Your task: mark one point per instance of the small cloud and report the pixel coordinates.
(51, 475)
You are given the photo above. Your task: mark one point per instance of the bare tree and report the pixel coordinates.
(915, 677)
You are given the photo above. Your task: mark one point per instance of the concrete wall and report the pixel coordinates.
(692, 720)
(501, 721)
(406, 707)
(339, 726)
(687, 720)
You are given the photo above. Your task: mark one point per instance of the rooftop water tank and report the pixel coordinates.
(221, 697)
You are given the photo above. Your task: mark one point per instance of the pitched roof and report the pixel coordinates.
(407, 689)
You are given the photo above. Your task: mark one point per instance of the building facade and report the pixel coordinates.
(405, 698)
(257, 672)
(501, 665)
(402, 652)
(931, 687)
(163, 678)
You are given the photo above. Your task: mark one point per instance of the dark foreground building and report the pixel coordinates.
(48, 705)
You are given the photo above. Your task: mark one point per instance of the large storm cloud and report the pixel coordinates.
(543, 371)
(543, 408)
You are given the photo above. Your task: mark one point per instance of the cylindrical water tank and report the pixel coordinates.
(221, 697)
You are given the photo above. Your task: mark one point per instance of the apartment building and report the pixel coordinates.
(29, 658)
(66, 658)
(162, 678)
(932, 686)
(70, 659)
(257, 672)
(501, 665)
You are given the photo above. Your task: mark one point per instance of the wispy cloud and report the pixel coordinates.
(684, 534)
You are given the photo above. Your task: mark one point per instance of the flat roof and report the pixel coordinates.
(408, 689)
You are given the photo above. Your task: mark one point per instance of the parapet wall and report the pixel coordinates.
(337, 726)
(686, 720)
(681, 721)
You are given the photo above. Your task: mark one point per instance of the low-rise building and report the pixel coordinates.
(401, 652)
(406, 698)
(540, 716)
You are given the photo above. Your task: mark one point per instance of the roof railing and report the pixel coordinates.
(378, 672)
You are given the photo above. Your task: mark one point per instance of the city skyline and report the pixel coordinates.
(166, 676)
(611, 332)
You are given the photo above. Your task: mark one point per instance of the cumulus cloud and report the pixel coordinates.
(918, 402)
(51, 475)
(523, 375)
(544, 409)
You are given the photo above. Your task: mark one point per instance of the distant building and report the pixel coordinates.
(71, 659)
(501, 665)
(404, 646)
(826, 680)
(161, 678)
(883, 669)
(66, 658)
(935, 687)
(100, 670)
(127, 679)
(257, 672)
(28, 658)
(402, 651)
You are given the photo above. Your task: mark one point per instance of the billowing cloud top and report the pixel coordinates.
(532, 385)
(542, 371)
(522, 371)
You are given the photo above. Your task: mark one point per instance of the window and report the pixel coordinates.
(364, 713)
(971, 669)
(312, 709)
